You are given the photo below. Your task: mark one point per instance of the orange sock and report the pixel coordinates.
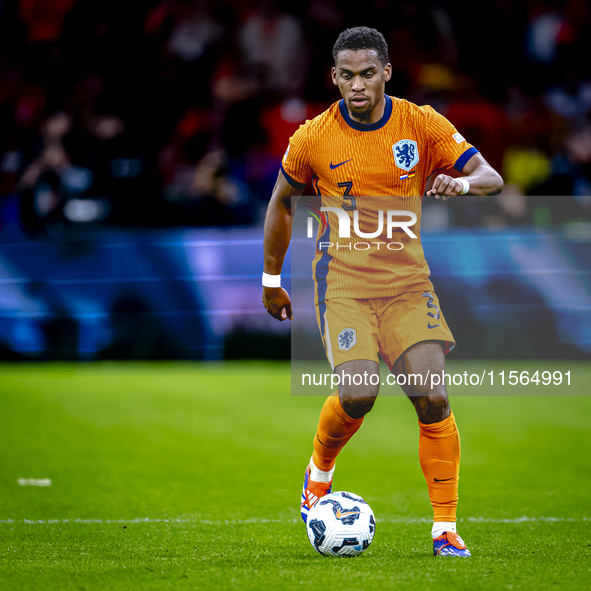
(439, 455)
(335, 428)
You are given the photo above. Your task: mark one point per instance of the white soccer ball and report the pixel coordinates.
(341, 524)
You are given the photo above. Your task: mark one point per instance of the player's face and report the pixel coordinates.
(361, 78)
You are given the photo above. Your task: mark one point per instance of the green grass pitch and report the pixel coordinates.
(188, 476)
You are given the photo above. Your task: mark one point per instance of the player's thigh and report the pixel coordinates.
(359, 384)
(414, 371)
(407, 320)
(359, 378)
(416, 366)
(349, 330)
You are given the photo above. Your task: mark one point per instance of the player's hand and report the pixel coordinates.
(276, 301)
(444, 187)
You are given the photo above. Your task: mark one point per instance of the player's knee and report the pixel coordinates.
(357, 405)
(437, 402)
(432, 407)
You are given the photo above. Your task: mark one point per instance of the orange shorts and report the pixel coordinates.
(354, 329)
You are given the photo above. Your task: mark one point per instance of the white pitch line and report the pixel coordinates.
(257, 521)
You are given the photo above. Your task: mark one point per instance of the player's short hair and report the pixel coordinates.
(361, 38)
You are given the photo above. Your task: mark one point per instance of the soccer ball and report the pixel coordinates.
(341, 524)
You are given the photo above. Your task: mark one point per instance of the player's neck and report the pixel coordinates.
(374, 116)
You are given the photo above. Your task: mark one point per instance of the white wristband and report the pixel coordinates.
(465, 185)
(271, 280)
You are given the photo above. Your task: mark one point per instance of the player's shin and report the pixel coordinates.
(439, 455)
(335, 428)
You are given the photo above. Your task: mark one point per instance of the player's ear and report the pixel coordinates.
(333, 74)
(387, 72)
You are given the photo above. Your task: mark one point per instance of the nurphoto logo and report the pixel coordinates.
(346, 224)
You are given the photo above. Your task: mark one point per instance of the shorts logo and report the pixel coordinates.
(406, 154)
(347, 339)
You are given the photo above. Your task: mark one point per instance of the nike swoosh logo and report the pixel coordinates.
(441, 479)
(339, 514)
(434, 326)
(341, 164)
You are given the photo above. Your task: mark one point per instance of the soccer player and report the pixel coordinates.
(370, 156)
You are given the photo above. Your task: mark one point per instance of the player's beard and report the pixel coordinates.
(365, 114)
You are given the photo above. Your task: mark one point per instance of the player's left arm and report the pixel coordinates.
(481, 176)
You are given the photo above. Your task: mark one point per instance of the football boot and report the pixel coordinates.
(449, 544)
(312, 492)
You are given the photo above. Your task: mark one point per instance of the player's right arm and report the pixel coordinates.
(275, 244)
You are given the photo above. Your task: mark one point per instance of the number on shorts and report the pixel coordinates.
(430, 304)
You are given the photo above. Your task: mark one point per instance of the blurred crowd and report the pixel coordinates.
(177, 112)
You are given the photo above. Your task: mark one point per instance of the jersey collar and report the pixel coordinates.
(362, 126)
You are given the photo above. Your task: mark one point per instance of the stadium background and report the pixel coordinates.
(131, 130)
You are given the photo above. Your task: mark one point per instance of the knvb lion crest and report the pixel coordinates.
(347, 339)
(406, 154)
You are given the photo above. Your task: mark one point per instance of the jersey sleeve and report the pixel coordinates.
(296, 162)
(447, 146)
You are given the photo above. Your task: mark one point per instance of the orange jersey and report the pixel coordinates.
(368, 171)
